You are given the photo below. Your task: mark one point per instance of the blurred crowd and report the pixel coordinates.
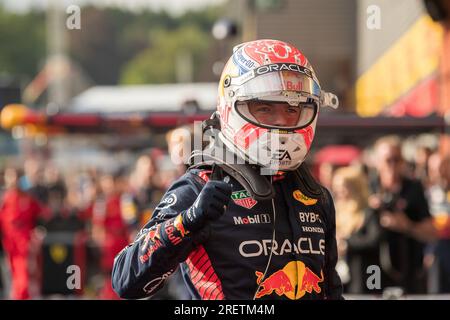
(393, 214)
(51, 218)
(390, 213)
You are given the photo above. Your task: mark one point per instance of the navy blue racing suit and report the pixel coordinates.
(228, 258)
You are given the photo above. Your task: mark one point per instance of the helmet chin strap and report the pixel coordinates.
(257, 185)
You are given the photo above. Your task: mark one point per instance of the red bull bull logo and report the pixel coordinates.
(178, 224)
(293, 281)
(151, 236)
(150, 244)
(277, 281)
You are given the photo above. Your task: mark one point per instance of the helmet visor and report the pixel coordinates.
(274, 83)
(277, 114)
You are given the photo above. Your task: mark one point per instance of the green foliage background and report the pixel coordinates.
(113, 46)
(22, 43)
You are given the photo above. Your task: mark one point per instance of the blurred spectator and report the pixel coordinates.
(331, 157)
(422, 155)
(137, 207)
(32, 180)
(439, 197)
(180, 145)
(357, 229)
(403, 211)
(19, 212)
(2, 190)
(181, 142)
(166, 174)
(158, 158)
(2, 181)
(82, 191)
(139, 199)
(325, 173)
(109, 229)
(55, 188)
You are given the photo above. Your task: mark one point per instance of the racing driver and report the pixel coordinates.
(249, 222)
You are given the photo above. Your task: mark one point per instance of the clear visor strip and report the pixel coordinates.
(292, 98)
(327, 99)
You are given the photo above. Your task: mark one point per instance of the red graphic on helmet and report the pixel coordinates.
(308, 135)
(248, 134)
(268, 51)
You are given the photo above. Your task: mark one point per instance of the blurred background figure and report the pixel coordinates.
(326, 172)
(329, 158)
(2, 255)
(402, 208)
(438, 258)
(32, 181)
(19, 212)
(422, 155)
(180, 145)
(357, 228)
(109, 228)
(55, 188)
(63, 236)
(166, 172)
(143, 194)
(76, 222)
(138, 200)
(181, 142)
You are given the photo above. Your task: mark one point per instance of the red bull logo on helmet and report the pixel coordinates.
(293, 281)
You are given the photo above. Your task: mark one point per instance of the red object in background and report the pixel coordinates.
(340, 155)
(421, 101)
(108, 218)
(18, 214)
(330, 157)
(444, 88)
(19, 115)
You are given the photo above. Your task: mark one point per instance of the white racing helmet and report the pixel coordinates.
(269, 100)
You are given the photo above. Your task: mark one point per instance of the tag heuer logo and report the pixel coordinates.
(243, 199)
(303, 199)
